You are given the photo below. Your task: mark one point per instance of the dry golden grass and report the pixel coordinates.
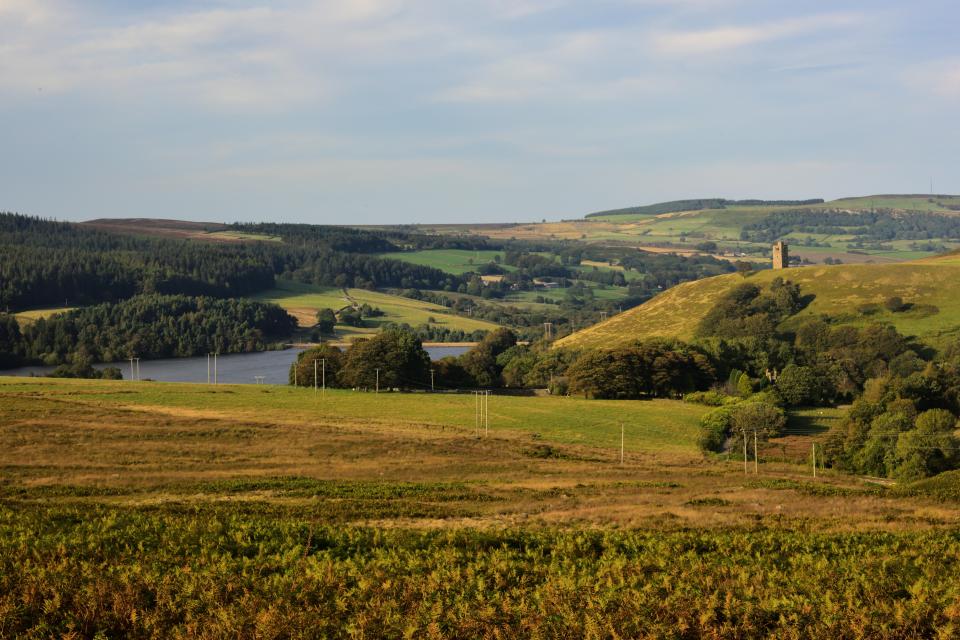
(102, 444)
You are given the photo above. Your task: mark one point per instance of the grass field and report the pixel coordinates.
(932, 286)
(26, 317)
(903, 202)
(453, 261)
(149, 510)
(555, 460)
(304, 300)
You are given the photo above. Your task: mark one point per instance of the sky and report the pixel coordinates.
(385, 111)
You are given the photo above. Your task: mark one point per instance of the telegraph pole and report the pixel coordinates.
(314, 376)
(323, 375)
(378, 382)
(744, 451)
(486, 414)
(621, 444)
(814, 446)
(431, 381)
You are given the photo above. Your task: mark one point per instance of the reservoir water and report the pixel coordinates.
(238, 368)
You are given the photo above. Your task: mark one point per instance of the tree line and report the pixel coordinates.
(875, 225)
(146, 326)
(47, 263)
(699, 204)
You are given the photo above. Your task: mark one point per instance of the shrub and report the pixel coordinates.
(711, 398)
(714, 429)
(894, 304)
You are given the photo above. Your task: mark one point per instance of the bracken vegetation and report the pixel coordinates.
(257, 572)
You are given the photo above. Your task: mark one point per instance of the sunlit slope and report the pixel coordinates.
(303, 301)
(931, 287)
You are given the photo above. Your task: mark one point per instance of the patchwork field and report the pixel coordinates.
(304, 300)
(170, 510)
(681, 231)
(929, 286)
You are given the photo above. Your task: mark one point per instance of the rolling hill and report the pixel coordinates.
(930, 287)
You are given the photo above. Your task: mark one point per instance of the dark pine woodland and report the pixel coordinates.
(149, 326)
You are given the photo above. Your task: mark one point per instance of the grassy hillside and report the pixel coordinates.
(303, 301)
(932, 286)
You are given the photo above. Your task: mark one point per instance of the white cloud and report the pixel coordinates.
(719, 39)
(941, 78)
(244, 57)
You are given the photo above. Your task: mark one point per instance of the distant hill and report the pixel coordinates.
(851, 294)
(700, 204)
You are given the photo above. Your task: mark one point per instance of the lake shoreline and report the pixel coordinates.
(269, 366)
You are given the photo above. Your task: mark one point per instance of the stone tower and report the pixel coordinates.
(781, 256)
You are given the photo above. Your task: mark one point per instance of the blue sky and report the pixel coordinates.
(382, 111)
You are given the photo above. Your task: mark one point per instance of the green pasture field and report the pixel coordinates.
(453, 261)
(629, 275)
(907, 203)
(304, 300)
(528, 298)
(655, 425)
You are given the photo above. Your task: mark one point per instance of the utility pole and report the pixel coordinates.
(486, 414)
(431, 381)
(378, 382)
(314, 376)
(323, 375)
(814, 446)
(744, 451)
(621, 444)
(756, 454)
